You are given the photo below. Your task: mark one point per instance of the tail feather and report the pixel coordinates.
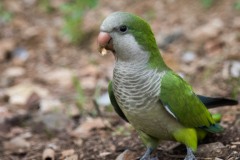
(215, 128)
(211, 102)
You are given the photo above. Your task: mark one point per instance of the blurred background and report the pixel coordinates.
(53, 81)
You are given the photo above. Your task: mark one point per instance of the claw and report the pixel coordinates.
(190, 155)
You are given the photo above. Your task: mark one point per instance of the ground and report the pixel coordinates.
(52, 91)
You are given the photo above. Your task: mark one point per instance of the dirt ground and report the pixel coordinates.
(53, 93)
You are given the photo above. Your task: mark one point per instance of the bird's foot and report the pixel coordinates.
(147, 154)
(190, 155)
(148, 158)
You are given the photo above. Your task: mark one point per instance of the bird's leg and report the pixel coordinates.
(147, 154)
(190, 155)
(150, 142)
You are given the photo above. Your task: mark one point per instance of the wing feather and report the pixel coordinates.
(114, 102)
(183, 103)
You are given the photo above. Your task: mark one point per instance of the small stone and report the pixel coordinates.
(235, 69)
(188, 57)
(20, 55)
(103, 100)
(54, 121)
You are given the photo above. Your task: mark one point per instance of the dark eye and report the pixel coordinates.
(123, 28)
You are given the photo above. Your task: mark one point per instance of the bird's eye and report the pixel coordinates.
(123, 28)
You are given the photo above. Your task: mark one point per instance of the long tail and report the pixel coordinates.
(212, 102)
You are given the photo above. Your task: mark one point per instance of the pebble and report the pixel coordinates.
(103, 100)
(188, 57)
(235, 69)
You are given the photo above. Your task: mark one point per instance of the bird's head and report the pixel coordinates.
(128, 36)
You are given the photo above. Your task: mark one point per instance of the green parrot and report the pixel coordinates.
(145, 92)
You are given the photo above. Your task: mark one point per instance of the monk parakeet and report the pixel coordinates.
(145, 92)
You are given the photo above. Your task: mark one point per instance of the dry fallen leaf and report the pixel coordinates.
(72, 157)
(61, 77)
(14, 72)
(19, 94)
(127, 155)
(17, 145)
(67, 153)
(84, 129)
(207, 31)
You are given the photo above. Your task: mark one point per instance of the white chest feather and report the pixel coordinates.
(136, 89)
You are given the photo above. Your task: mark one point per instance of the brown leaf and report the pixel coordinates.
(19, 94)
(72, 157)
(61, 77)
(17, 145)
(127, 155)
(33, 101)
(84, 130)
(207, 31)
(67, 153)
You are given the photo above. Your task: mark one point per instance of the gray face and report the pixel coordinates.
(124, 43)
(114, 21)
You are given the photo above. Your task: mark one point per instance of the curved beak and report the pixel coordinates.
(104, 42)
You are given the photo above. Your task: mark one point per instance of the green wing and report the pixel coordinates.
(114, 102)
(179, 99)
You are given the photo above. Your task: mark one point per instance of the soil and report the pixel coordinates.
(41, 108)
